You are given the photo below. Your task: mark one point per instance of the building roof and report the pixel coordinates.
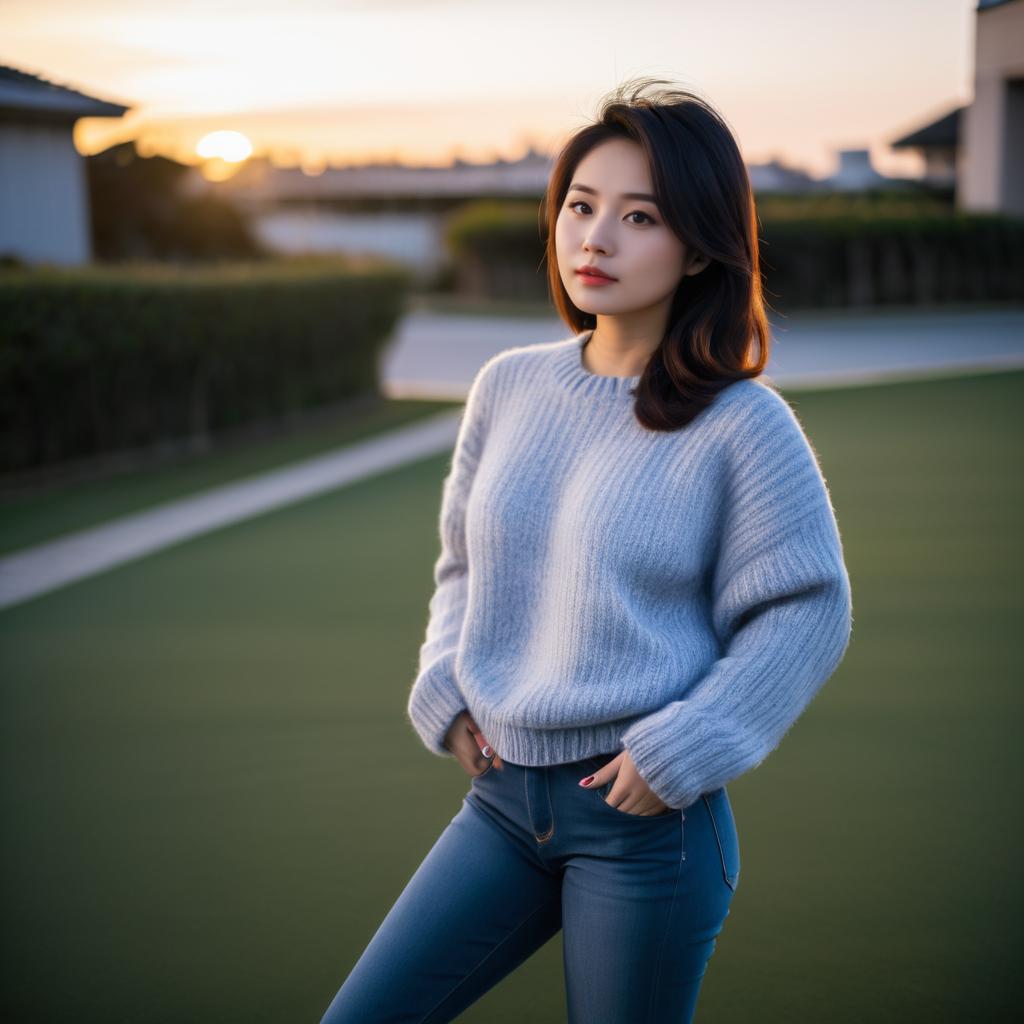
(943, 132)
(33, 97)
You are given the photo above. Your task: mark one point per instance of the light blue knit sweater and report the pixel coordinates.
(602, 587)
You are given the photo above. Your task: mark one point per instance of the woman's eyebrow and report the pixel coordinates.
(624, 195)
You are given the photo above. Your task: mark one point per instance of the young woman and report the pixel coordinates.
(641, 586)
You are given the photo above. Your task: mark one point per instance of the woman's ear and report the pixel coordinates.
(698, 262)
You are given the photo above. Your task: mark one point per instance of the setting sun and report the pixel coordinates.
(232, 147)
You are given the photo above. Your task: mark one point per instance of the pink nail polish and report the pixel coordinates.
(587, 781)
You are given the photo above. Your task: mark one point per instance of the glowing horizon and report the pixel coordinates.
(420, 81)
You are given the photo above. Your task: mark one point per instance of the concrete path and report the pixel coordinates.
(437, 356)
(44, 567)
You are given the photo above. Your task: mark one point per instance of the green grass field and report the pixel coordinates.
(44, 514)
(211, 797)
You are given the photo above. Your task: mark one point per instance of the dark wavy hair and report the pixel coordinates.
(704, 194)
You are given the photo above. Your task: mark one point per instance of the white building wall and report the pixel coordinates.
(44, 202)
(414, 238)
(990, 153)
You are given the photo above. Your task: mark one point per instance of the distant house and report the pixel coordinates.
(937, 142)
(776, 176)
(392, 210)
(979, 148)
(44, 198)
(991, 160)
(856, 173)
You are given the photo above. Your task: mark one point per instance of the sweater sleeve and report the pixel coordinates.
(780, 606)
(435, 699)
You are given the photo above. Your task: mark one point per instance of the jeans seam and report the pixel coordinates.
(462, 981)
(668, 924)
(540, 840)
(551, 810)
(718, 841)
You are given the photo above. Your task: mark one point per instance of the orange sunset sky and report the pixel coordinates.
(422, 81)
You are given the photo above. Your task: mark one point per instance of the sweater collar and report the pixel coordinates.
(575, 377)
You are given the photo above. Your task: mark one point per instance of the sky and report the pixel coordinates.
(423, 81)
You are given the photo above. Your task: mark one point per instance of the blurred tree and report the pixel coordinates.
(138, 212)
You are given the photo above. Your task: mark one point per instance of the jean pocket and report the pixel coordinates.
(603, 792)
(595, 763)
(724, 825)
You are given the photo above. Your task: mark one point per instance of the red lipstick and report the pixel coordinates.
(594, 275)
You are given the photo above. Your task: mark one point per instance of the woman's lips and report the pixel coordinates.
(588, 278)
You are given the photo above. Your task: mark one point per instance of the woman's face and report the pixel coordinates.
(626, 237)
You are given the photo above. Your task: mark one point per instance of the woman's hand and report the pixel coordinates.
(630, 794)
(470, 747)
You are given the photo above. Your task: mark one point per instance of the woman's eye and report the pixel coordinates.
(635, 213)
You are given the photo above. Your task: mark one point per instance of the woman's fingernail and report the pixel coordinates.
(488, 751)
(587, 781)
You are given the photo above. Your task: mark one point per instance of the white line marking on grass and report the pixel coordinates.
(45, 567)
(812, 380)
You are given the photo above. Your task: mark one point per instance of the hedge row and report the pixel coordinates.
(104, 359)
(883, 254)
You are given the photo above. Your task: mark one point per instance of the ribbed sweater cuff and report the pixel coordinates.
(659, 753)
(434, 703)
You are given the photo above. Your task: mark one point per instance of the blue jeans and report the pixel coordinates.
(639, 900)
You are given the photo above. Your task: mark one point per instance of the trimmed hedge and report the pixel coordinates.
(107, 358)
(819, 251)
(855, 262)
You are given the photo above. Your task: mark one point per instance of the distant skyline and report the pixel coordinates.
(424, 81)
